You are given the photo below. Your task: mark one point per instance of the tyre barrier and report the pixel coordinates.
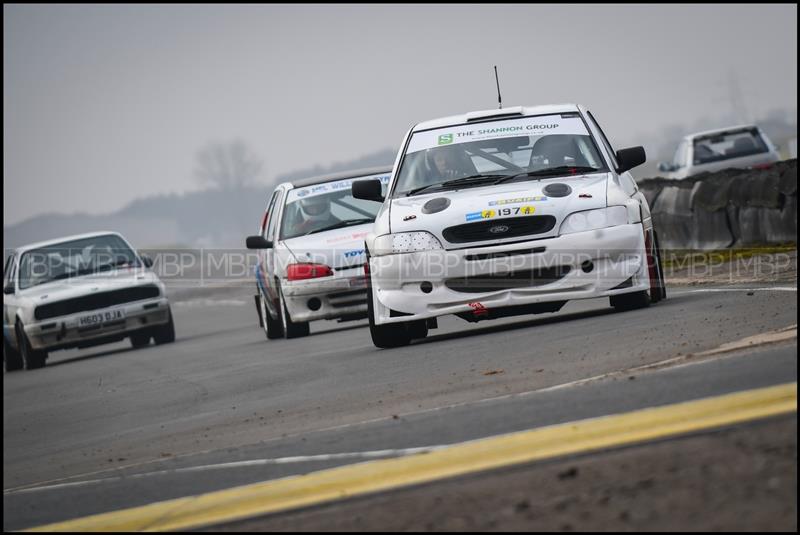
(732, 207)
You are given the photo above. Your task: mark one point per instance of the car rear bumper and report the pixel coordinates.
(338, 297)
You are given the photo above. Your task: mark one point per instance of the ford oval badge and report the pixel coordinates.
(498, 229)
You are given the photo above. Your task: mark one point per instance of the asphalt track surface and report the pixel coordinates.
(111, 427)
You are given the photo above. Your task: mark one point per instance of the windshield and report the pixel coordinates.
(74, 259)
(493, 150)
(327, 206)
(734, 144)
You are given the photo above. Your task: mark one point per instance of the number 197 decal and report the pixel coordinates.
(501, 212)
(516, 210)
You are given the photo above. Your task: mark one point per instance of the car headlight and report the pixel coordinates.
(405, 242)
(594, 219)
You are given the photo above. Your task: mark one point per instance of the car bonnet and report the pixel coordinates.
(558, 197)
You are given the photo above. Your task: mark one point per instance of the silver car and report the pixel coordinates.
(76, 292)
(715, 150)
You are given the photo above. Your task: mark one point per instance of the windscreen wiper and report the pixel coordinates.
(62, 276)
(341, 224)
(463, 181)
(551, 171)
(104, 267)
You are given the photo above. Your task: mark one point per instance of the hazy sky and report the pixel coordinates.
(106, 103)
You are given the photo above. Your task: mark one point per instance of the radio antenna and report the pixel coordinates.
(496, 79)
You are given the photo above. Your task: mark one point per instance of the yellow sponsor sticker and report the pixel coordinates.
(527, 209)
(487, 214)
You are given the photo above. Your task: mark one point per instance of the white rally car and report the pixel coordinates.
(311, 260)
(506, 212)
(80, 291)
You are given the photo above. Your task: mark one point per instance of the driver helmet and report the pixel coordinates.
(315, 208)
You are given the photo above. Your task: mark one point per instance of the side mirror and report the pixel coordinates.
(630, 158)
(258, 242)
(368, 190)
(8, 290)
(148, 262)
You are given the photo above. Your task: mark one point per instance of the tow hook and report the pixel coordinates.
(478, 310)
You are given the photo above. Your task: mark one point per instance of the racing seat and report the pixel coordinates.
(743, 145)
(457, 160)
(557, 149)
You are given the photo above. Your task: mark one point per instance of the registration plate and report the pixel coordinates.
(99, 318)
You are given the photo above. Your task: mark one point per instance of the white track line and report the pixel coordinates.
(709, 290)
(376, 454)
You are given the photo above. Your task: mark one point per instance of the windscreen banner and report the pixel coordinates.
(527, 126)
(330, 187)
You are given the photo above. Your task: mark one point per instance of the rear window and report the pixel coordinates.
(726, 145)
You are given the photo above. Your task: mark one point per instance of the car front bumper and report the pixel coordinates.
(616, 258)
(338, 297)
(63, 332)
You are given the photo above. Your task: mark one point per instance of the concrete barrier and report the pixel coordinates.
(733, 207)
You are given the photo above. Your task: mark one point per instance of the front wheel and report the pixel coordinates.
(165, 334)
(140, 339)
(31, 358)
(389, 335)
(12, 360)
(630, 301)
(291, 329)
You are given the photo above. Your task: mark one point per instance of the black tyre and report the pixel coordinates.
(630, 301)
(418, 329)
(291, 329)
(389, 335)
(273, 328)
(165, 334)
(662, 285)
(140, 339)
(31, 359)
(12, 360)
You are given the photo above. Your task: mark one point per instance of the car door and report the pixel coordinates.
(267, 256)
(9, 300)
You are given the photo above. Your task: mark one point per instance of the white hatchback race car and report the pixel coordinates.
(311, 259)
(745, 146)
(80, 291)
(506, 212)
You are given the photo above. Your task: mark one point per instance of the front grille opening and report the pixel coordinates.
(624, 284)
(515, 227)
(503, 254)
(95, 301)
(528, 278)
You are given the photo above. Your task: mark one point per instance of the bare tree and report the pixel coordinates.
(230, 165)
